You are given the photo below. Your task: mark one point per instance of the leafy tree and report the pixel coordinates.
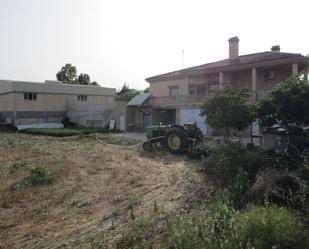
(287, 102)
(126, 93)
(67, 74)
(94, 83)
(146, 90)
(228, 109)
(84, 79)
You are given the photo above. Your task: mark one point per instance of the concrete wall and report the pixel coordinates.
(54, 107)
(161, 88)
(119, 110)
(7, 102)
(281, 73)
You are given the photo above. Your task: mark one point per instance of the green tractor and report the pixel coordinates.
(176, 139)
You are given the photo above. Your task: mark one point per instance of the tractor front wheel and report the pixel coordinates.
(176, 140)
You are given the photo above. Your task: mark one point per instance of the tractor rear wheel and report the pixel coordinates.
(176, 140)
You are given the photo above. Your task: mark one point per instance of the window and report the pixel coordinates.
(174, 90)
(29, 96)
(201, 89)
(191, 89)
(197, 89)
(82, 97)
(213, 86)
(269, 75)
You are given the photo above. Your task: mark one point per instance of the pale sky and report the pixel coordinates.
(117, 41)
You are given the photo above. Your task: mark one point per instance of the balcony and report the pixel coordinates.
(262, 94)
(178, 101)
(171, 102)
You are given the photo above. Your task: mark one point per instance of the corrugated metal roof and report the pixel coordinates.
(138, 100)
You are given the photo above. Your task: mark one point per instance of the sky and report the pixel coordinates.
(126, 41)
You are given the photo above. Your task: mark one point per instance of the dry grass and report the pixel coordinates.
(95, 188)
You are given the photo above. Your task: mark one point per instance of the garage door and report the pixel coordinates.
(192, 115)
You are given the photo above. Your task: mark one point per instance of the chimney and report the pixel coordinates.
(275, 48)
(233, 48)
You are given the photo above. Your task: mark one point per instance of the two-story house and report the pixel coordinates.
(176, 96)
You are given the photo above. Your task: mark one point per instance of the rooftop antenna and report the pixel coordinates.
(183, 58)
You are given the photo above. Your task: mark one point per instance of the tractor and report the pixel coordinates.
(176, 139)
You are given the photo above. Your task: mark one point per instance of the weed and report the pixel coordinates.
(11, 140)
(126, 156)
(115, 212)
(38, 175)
(19, 165)
(155, 207)
(132, 214)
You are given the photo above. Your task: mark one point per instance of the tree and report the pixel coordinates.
(126, 93)
(146, 90)
(68, 75)
(287, 102)
(84, 79)
(228, 109)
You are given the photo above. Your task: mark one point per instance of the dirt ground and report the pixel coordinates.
(96, 189)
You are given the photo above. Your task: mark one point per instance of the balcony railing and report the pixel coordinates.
(262, 94)
(192, 100)
(177, 101)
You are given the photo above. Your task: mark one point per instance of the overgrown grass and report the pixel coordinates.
(65, 132)
(13, 140)
(120, 140)
(38, 175)
(220, 226)
(158, 152)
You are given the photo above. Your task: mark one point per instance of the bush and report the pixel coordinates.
(271, 227)
(233, 165)
(38, 175)
(220, 226)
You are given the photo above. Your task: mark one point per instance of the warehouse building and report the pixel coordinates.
(24, 102)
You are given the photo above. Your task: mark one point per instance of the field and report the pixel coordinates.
(99, 187)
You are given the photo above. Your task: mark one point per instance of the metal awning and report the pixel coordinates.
(139, 100)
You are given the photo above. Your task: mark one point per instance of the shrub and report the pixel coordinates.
(38, 175)
(220, 226)
(224, 160)
(271, 227)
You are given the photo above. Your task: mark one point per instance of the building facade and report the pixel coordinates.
(177, 95)
(31, 102)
